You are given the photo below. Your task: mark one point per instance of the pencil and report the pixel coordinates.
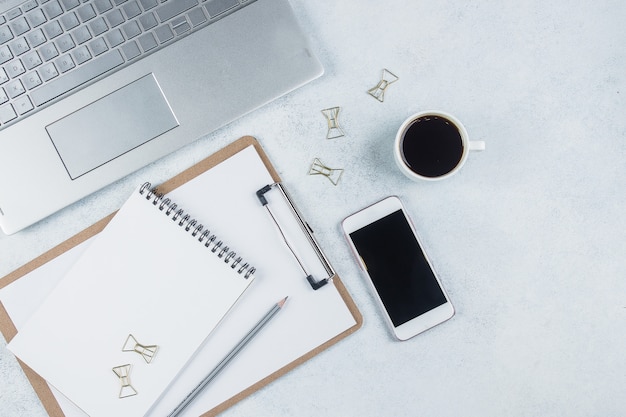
(222, 364)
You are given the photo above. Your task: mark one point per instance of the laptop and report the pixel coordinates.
(92, 90)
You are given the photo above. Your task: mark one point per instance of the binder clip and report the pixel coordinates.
(132, 345)
(123, 373)
(315, 283)
(387, 79)
(318, 168)
(334, 130)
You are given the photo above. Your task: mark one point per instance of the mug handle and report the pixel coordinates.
(476, 145)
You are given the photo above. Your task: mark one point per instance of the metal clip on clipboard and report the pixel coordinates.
(315, 284)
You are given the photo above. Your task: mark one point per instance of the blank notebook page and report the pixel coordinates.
(143, 275)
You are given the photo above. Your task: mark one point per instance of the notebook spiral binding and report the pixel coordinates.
(171, 210)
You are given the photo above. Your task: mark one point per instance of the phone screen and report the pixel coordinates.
(398, 268)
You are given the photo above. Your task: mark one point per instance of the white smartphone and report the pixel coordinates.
(389, 251)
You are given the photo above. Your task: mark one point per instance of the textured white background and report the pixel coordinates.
(528, 238)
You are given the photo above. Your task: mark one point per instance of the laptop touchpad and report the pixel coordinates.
(112, 126)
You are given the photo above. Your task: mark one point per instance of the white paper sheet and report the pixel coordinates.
(226, 196)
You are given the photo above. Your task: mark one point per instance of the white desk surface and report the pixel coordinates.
(528, 238)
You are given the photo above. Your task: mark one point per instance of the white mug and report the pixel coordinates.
(432, 145)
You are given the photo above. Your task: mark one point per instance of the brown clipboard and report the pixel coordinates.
(39, 384)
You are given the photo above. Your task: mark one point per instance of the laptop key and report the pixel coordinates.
(98, 46)
(36, 38)
(98, 26)
(114, 18)
(7, 113)
(148, 4)
(164, 34)
(81, 55)
(103, 5)
(131, 29)
(30, 5)
(86, 13)
(217, 7)
(5, 34)
(23, 105)
(65, 43)
(52, 9)
(196, 17)
(64, 63)
(180, 25)
(79, 76)
(48, 51)
(15, 88)
(12, 14)
(32, 60)
(69, 21)
(148, 21)
(15, 68)
(81, 34)
(70, 4)
(174, 8)
(31, 80)
(131, 50)
(36, 18)
(114, 38)
(147, 41)
(19, 46)
(53, 29)
(5, 54)
(48, 71)
(131, 10)
(20, 26)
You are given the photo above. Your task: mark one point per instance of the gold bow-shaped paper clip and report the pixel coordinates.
(147, 352)
(334, 130)
(123, 373)
(318, 168)
(387, 79)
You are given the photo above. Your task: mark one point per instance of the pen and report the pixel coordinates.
(242, 343)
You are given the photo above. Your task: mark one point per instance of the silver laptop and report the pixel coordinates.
(91, 90)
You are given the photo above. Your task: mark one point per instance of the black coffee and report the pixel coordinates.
(432, 146)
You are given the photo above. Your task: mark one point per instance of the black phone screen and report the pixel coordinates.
(399, 270)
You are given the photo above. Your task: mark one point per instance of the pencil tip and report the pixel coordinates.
(281, 303)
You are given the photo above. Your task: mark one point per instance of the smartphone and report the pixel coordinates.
(389, 251)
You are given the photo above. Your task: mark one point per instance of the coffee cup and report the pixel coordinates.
(432, 145)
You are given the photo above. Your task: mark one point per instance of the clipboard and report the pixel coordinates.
(41, 387)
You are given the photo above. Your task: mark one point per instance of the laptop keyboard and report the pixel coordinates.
(50, 48)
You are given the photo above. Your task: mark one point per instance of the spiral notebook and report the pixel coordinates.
(154, 277)
(220, 191)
